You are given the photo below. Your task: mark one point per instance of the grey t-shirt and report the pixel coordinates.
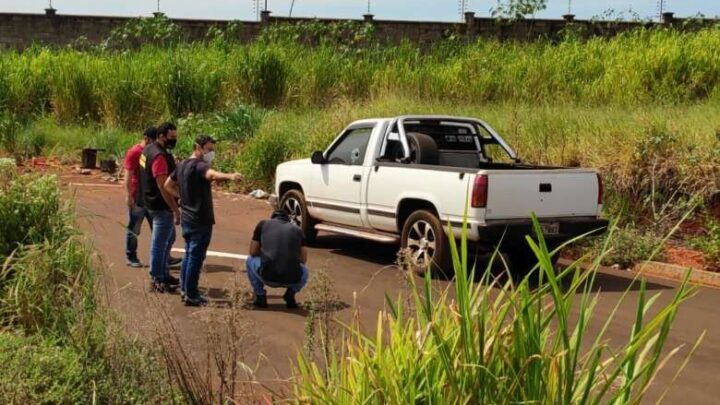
(280, 242)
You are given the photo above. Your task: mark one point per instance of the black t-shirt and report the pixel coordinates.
(280, 243)
(195, 192)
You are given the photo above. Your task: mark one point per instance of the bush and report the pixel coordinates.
(56, 344)
(628, 246)
(709, 243)
(263, 153)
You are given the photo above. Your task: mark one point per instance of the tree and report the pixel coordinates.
(515, 10)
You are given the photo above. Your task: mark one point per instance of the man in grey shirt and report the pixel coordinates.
(277, 259)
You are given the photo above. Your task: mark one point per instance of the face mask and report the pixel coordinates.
(171, 143)
(209, 156)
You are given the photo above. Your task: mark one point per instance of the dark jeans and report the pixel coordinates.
(163, 237)
(197, 240)
(135, 219)
(253, 265)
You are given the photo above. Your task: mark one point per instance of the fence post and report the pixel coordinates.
(265, 17)
(668, 18)
(470, 28)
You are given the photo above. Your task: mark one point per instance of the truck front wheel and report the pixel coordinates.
(293, 202)
(425, 245)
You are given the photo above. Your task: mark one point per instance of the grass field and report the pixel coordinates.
(641, 107)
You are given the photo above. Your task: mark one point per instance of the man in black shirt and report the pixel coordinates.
(190, 182)
(277, 259)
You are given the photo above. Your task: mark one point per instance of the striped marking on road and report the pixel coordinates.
(213, 253)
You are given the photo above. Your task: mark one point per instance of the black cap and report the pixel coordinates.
(203, 140)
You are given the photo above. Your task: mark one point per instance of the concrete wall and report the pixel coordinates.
(19, 31)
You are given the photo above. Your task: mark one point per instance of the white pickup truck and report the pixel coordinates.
(404, 179)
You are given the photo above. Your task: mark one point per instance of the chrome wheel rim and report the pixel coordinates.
(294, 209)
(422, 242)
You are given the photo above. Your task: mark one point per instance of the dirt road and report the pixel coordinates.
(356, 267)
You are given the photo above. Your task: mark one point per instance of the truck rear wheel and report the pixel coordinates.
(293, 202)
(425, 244)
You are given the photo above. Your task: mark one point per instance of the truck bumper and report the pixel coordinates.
(514, 231)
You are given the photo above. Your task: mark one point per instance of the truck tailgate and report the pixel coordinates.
(547, 193)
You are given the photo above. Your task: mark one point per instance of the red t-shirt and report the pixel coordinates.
(160, 167)
(132, 164)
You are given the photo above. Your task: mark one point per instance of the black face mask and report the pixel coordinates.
(171, 143)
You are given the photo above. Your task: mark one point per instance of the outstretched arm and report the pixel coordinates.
(213, 175)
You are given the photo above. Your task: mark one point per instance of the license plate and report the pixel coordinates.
(550, 228)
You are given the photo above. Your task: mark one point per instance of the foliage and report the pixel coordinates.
(157, 30)
(515, 10)
(472, 343)
(628, 246)
(709, 243)
(56, 345)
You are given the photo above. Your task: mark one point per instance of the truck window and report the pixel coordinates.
(351, 148)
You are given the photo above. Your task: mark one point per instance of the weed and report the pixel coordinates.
(709, 243)
(473, 343)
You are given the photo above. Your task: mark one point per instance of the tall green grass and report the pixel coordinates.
(496, 343)
(137, 86)
(57, 343)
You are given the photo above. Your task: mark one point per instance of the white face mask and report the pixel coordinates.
(209, 156)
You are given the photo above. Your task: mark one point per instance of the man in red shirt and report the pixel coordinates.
(133, 197)
(156, 164)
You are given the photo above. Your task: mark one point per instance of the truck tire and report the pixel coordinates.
(293, 201)
(425, 244)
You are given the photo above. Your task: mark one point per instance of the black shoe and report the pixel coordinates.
(199, 301)
(134, 263)
(172, 281)
(289, 298)
(260, 301)
(174, 261)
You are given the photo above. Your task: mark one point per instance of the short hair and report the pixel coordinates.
(203, 140)
(166, 127)
(151, 133)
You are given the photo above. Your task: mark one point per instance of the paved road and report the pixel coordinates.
(360, 268)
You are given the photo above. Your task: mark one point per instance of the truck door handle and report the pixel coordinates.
(357, 177)
(545, 187)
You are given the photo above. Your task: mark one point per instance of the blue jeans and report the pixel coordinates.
(136, 215)
(163, 237)
(197, 240)
(253, 265)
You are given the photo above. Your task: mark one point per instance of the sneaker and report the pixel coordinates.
(260, 301)
(199, 301)
(172, 281)
(289, 298)
(134, 263)
(174, 262)
(162, 288)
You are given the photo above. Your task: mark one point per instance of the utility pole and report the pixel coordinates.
(158, 6)
(368, 10)
(569, 7)
(661, 4)
(462, 7)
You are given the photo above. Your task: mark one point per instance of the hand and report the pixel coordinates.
(236, 177)
(130, 201)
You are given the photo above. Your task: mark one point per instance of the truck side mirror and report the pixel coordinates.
(318, 158)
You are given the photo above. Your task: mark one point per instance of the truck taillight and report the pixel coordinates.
(601, 189)
(480, 191)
